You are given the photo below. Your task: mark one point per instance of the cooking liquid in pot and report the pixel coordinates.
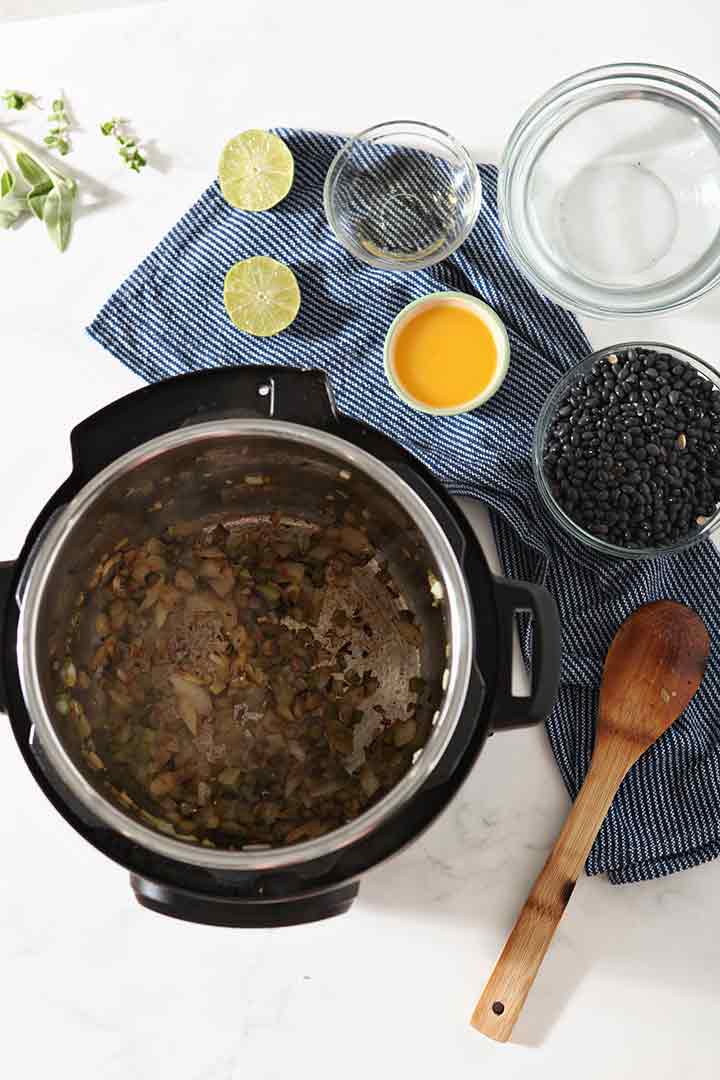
(245, 683)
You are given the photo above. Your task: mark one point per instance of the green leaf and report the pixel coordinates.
(58, 105)
(108, 127)
(31, 170)
(43, 188)
(57, 215)
(15, 99)
(36, 205)
(36, 198)
(70, 186)
(50, 197)
(11, 209)
(12, 206)
(7, 183)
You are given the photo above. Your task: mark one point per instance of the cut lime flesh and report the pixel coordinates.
(262, 296)
(256, 170)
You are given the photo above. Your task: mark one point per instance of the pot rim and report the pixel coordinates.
(459, 619)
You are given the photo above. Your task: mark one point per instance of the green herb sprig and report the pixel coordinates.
(16, 99)
(12, 207)
(58, 137)
(128, 147)
(50, 195)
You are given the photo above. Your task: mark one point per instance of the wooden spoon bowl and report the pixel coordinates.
(654, 666)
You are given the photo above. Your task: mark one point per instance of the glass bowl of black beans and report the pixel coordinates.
(627, 450)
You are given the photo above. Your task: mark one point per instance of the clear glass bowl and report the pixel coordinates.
(546, 417)
(609, 191)
(402, 195)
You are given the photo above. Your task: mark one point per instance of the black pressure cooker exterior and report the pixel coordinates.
(328, 885)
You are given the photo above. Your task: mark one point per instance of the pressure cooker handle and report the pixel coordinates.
(198, 907)
(7, 573)
(302, 397)
(520, 596)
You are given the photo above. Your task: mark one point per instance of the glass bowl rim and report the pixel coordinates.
(366, 135)
(561, 517)
(593, 78)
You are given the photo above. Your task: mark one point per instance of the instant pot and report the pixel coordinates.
(183, 446)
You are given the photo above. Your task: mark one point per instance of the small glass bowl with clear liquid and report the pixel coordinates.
(402, 195)
(609, 191)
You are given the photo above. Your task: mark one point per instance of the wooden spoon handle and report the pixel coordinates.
(504, 995)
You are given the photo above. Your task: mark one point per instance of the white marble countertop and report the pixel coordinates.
(94, 987)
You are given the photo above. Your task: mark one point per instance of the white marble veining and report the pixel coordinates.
(94, 987)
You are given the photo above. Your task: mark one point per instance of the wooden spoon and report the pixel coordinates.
(655, 664)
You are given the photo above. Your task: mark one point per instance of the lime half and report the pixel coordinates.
(262, 295)
(256, 170)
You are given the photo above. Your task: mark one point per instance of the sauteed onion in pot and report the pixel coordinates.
(225, 679)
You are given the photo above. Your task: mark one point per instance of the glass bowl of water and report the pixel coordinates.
(609, 191)
(402, 195)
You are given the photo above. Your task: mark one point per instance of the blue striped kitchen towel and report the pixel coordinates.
(168, 318)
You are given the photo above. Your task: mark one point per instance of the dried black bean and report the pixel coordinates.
(633, 452)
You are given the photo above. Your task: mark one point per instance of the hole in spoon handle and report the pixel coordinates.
(503, 998)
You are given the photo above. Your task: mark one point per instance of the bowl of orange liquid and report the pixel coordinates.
(446, 353)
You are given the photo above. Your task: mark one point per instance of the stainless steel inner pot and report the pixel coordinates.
(209, 472)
